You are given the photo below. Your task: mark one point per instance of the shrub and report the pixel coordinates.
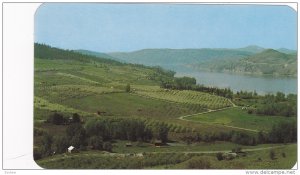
(272, 155)
(107, 146)
(56, 119)
(76, 118)
(199, 163)
(61, 144)
(96, 142)
(219, 156)
(283, 155)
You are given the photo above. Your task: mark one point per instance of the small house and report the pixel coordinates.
(72, 149)
(158, 143)
(128, 144)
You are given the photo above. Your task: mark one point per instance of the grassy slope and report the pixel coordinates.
(239, 118)
(99, 159)
(69, 86)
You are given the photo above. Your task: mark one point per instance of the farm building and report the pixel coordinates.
(158, 143)
(128, 144)
(72, 149)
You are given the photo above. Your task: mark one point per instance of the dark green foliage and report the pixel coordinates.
(261, 137)
(219, 156)
(243, 138)
(38, 132)
(46, 148)
(272, 154)
(61, 143)
(284, 132)
(96, 142)
(77, 135)
(127, 89)
(107, 146)
(188, 83)
(269, 104)
(124, 129)
(56, 119)
(283, 155)
(161, 132)
(46, 52)
(199, 163)
(37, 153)
(233, 136)
(76, 118)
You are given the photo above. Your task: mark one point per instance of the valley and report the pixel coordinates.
(125, 115)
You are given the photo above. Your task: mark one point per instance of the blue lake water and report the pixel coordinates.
(237, 82)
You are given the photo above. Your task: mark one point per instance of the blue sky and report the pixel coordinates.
(129, 27)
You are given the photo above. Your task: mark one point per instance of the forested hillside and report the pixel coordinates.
(270, 62)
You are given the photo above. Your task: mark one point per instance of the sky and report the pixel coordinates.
(130, 27)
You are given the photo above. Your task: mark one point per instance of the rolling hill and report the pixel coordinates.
(250, 60)
(97, 54)
(269, 61)
(163, 57)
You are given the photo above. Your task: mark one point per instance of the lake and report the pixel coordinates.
(261, 84)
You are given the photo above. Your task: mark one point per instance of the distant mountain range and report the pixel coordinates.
(251, 59)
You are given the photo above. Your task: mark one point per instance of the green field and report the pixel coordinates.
(239, 118)
(124, 97)
(188, 97)
(174, 160)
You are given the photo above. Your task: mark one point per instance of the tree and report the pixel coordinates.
(77, 134)
(127, 89)
(161, 132)
(261, 137)
(107, 146)
(56, 119)
(272, 154)
(76, 118)
(61, 144)
(96, 142)
(47, 141)
(283, 132)
(219, 156)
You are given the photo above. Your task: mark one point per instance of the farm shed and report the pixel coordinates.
(128, 144)
(72, 149)
(158, 143)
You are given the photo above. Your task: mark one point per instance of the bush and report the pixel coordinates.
(38, 132)
(272, 155)
(199, 163)
(219, 156)
(37, 154)
(283, 155)
(56, 119)
(96, 142)
(127, 89)
(76, 118)
(61, 144)
(107, 146)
